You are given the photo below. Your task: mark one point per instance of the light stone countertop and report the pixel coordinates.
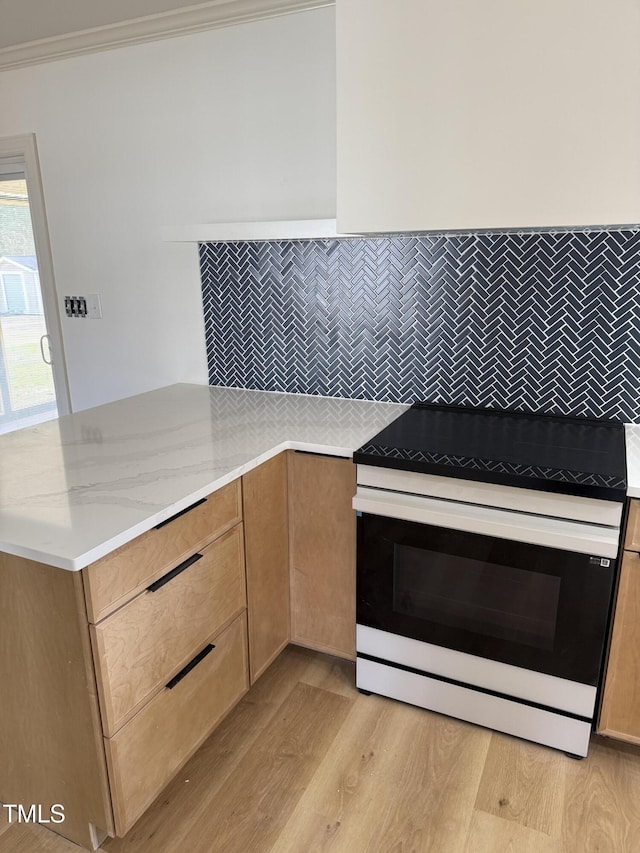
(632, 440)
(76, 488)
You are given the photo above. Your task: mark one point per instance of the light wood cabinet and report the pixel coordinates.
(192, 605)
(113, 676)
(497, 114)
(620, 712)
(50, 736)
(632, 535)
(323, 553)
(147, 645)
(267, 559)
(116, 578)
(146, 753)
(147, 641)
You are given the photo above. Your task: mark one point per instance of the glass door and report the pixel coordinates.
(29, 392)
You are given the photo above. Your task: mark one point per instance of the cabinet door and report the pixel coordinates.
(50, 744)
(620, 714)
(632, 537)
(487, 115)
(267, 560)
(323, 553)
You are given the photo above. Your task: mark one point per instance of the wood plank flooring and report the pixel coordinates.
(306, 764)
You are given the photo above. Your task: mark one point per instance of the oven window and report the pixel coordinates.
(477, 596)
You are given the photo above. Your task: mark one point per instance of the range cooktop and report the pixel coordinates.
(577, 456)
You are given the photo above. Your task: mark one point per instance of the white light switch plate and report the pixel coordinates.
(94, 306)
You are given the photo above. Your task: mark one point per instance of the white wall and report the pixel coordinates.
(230, 124)
(492, 114)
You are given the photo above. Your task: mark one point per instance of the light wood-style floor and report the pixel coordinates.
(305, 763)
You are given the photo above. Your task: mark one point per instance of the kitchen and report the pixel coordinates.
(159, 130)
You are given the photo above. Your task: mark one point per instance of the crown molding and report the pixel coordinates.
(190, 19)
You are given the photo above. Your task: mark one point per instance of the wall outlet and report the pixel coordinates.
(94, 306)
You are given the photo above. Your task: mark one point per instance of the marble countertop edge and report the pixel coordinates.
(81, 561)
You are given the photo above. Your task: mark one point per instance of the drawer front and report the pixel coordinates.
(143, 644)
(147, 752)
(632, 539)
(114, 579)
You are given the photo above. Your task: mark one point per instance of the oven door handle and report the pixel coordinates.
(594, 539)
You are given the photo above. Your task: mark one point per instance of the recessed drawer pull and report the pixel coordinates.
(182, 512)
(191, 665)
(155, 586)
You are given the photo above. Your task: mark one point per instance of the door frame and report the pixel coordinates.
(24, 147)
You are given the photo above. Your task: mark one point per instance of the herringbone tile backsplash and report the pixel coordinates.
(544, 321)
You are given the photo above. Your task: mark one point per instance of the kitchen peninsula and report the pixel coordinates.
(156, 555)
(75, 488)
(99, 607)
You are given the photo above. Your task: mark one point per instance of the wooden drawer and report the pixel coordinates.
(147, 752)
(114, 579)
(632, 539)
(143, 644)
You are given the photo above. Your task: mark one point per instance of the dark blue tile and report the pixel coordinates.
(531, 320)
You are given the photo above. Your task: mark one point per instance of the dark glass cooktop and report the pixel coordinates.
(576, 456)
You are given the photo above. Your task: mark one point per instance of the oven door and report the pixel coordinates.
(528, 605)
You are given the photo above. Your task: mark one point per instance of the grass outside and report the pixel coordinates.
(30, 379)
